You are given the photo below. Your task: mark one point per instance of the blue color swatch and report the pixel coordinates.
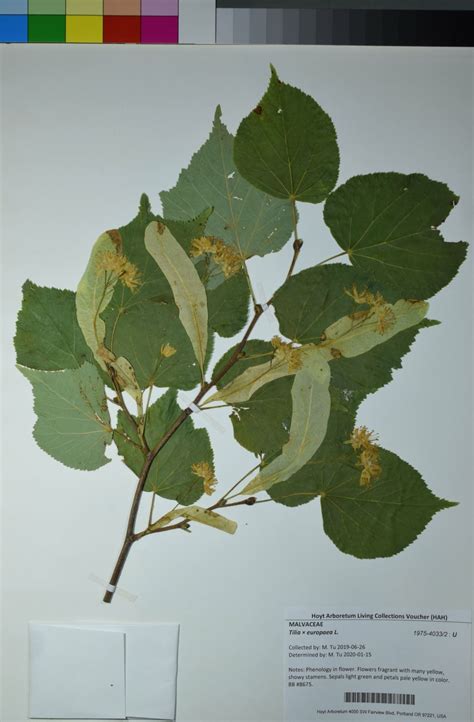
(13, 28)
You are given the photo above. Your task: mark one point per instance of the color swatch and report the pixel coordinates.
(89, 21)
(346, 22)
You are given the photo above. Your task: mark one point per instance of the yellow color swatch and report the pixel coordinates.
(84, 7)
(84, 29)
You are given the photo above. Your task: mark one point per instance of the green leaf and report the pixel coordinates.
(307, 303)
(228, 305)
(372, 370)
(94, 293)
(185, 231)
(255, 352)
(73, 423)
(309, 421)
(171, 475)
(261, 424)
(153, 284)
(142, 333)
(188, 291)
(244, 217)
(203, 516)
(48, 336)
(287, 146)
(387, 222)
(379, 520)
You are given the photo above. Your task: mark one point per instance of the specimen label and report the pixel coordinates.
(377, 664)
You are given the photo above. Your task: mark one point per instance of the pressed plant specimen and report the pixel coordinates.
(157, 290)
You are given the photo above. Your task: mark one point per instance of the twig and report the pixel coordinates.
(130, 536)
(297, 242)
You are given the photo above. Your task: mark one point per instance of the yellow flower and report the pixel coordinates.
(206, 472)
(119, 264)
(204, 244)
(287, 352)
(225, 256)
(378, 307)
(364, 440)
(167, 350)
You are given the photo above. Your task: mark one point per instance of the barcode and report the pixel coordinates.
(379, 697)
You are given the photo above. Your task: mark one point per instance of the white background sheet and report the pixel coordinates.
(85, 131)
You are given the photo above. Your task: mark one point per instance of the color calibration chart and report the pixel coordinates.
(240, 22)
(89, 21)
(345, 22)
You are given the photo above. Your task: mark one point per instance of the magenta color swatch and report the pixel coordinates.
(160, 29)
(159, 7)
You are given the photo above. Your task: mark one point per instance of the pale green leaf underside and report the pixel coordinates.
(188, 291)
(287, 145)
(309, 420)
(244, 386)
(171, 475)
(48, 336)
(388, 223)
(244, 217)
(73, 423)
(93, 295)
(201, 515)
(355, 336)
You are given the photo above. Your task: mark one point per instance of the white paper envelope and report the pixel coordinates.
(76, 673)
(146, 659)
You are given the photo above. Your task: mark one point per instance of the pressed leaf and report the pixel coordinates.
(188, 291)
(242, 387)
(94, 293)
(352, 380)
(255, 352)
(203, 516)
(372, 370)
(244, 217)
(314, 298)
(125, 374)
(354, 335)
(48, 336)
(228, 305)
(287, 145)
(142, 333)
(73, 423)
(261, 423)
(171, 474)
(309, 420)
(377, 520)
(127, 304)
(388, 224)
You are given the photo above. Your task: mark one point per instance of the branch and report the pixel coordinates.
(130, 536)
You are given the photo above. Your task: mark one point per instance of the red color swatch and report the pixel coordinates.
(121, 29)
(160, 29)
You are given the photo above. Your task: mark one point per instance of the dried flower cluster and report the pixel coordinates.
(206, 472)
(225, 256)
(119, 264)
(292, 355)
(364, 441)
(378, 306)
